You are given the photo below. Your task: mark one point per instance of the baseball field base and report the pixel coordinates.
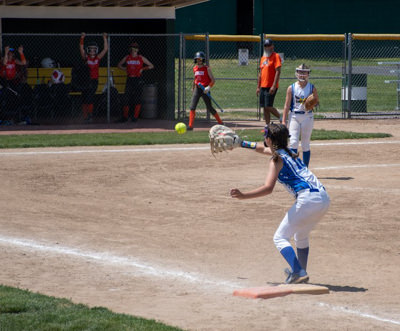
(268, 292)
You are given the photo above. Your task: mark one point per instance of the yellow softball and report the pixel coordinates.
(180, 128)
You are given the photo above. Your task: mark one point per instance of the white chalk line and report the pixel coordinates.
(358, 313)
(174, 149)
(202, 280)
(358, 166)
(105, 258)
(364, 189)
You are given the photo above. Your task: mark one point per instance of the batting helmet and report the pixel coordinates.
(302, 72)
(199, 55)
(48, 63)
(134, 45)
(57, 77)
(92, 46)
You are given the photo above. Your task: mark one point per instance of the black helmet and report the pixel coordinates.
(92, 45)
(199, 55)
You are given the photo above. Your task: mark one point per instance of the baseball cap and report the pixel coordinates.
(268, 42)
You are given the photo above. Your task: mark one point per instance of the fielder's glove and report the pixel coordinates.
(310, 102)
(223, 139)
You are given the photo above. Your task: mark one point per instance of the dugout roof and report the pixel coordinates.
(102, 3)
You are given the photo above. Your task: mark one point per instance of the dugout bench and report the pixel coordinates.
(40, 77)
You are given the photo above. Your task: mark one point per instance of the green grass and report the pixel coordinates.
(24, 310)
(150, 138)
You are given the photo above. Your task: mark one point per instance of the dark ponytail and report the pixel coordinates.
(279, 135)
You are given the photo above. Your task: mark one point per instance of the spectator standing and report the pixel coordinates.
(92, 57)
(134, 64)
(268, 80)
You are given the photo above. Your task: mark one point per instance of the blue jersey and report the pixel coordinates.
(295, 176)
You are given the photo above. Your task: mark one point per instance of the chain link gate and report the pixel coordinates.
(374, 73)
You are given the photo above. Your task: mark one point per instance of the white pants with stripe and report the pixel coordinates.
(301, 125)
(301, 218)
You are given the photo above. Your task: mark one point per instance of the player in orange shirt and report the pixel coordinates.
(268, 80)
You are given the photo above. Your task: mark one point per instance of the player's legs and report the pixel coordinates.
(210, 108)
(193, 105)
(137, 97)
(313, 206)
(306, 131)
(282, 236)
(294, 130)
(267, 102)
(127, 99)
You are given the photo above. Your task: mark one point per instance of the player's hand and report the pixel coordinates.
(20, 49)
(83, 35)
(272, 90)
(105, 35)
(258, 91)
(235, 193)
(207, 89)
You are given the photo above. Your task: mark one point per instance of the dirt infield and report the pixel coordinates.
(152, 232)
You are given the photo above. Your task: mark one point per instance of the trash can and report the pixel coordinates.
(149, 105)
(243, 55)
(358, 93)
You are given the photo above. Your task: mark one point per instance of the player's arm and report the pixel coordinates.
(21, 62)
(286, 108)
(105, 47)
(6, 50)
(212, 79)
(272, 90)
(259, 147)
(148, 64)
(81, 45)
(258, 83)
(315, 93)
(121, 63)
(272, 176)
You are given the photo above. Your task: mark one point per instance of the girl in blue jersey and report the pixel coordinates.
(312, 201)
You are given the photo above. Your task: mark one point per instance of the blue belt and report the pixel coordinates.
(302, 112)
(310, 190)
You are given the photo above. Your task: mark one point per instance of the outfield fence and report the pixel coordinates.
(356, 75)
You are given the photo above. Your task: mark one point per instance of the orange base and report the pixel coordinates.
(268, 292)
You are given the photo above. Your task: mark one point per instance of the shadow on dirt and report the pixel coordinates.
(337, 178)
(339, 288)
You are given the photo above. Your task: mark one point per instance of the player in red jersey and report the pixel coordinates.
(10, 63)
(203, 76)
(134, 65)
(92, 58)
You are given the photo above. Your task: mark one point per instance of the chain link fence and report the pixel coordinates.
(362, 68)
(374, 71)
(234, 61)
